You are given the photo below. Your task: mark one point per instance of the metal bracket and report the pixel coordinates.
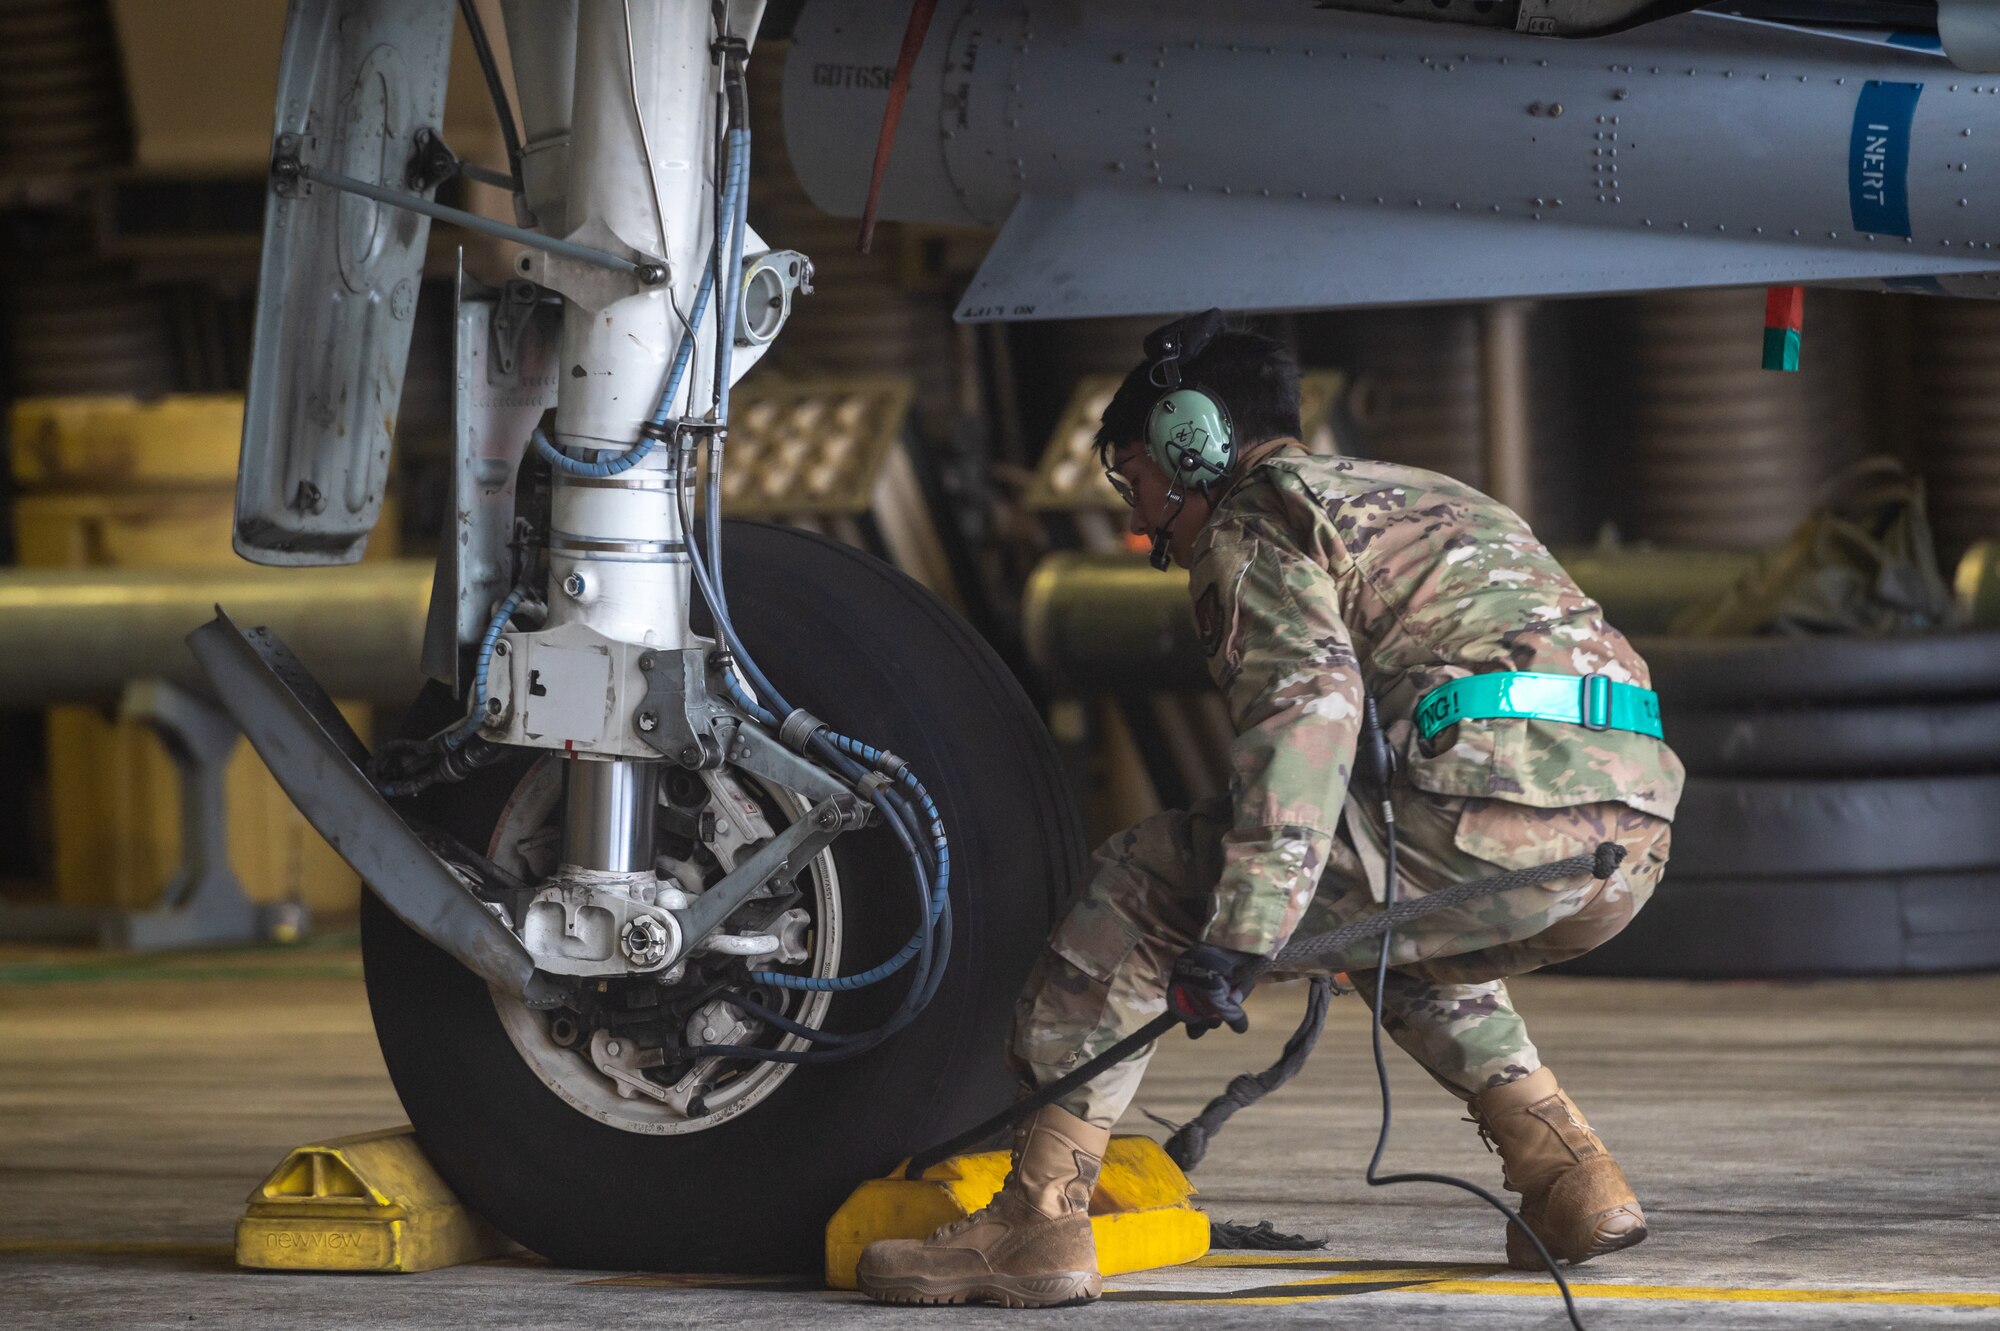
(287, 176)
(318, 760)
(770, 281)
(757, 753)
(686, 723)
(577, 926)
(511, 318)
(783, 856)
(619, 1059)
(678, 716)
(585, 281)
(432, 162)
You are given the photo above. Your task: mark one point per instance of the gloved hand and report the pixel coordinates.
(1201, 989)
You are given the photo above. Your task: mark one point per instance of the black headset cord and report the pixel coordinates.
(1160, 557)
(1379, 759)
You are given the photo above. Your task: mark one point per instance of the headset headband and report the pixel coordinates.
(1183, 339)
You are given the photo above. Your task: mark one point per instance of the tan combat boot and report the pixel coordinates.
(1573, 1194)
(1030, 1247)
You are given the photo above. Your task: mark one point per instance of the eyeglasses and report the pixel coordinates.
(1123, 487)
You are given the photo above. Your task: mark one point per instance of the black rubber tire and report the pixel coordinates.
(1916, 740)
(1775, 928)
(1768, 827)
(881, 658)
(1723, 672)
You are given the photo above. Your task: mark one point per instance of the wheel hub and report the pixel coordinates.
(626, 1053)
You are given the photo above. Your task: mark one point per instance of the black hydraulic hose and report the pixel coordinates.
(844, 1046)
(475, 28)
(935, 947)
(923, 986)
(851, 1046)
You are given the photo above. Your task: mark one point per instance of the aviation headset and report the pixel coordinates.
(1189, 433)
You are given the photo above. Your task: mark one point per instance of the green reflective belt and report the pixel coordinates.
(1596, 702)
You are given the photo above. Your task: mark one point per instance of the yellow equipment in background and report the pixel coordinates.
(1140, 1214)
(827, 454)
(112, 482)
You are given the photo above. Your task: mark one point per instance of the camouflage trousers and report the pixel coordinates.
(1104, 972)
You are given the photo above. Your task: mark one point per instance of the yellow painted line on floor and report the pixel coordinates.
(1335, 1279)
(1353, 1279)
(1335, 1286)
(1710, 1294)
(1319, 1258)
(1439, 1274)
(131, 1248)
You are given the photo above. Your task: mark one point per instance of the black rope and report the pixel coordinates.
(1229, 1236)
(1600, 863)
(1190, 1141)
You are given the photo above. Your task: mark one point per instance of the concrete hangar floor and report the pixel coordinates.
(1811, 1155)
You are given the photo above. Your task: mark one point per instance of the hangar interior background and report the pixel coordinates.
(1839, 822)
(1638, 433)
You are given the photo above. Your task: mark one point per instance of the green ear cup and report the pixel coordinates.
(1188, 435)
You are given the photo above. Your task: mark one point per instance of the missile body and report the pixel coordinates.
(1145, 156)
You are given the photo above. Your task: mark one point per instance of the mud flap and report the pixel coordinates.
(319, 760)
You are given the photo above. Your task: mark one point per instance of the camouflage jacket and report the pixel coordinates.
(1315, 576)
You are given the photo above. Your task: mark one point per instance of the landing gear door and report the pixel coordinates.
(337, 293)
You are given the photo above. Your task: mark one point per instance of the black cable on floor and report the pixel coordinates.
(1373, 740)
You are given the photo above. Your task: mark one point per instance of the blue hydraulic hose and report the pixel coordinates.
(850, 757)
(737, 192)
(476, 714)
(467, 726)
(845, 752)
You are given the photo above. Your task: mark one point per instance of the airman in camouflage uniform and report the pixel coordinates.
(1314, 578)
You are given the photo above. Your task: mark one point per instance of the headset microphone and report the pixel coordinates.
(1160, 558)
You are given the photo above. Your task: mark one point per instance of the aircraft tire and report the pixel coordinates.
(881, 659)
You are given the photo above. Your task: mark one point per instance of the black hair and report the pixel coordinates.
(1254, 375)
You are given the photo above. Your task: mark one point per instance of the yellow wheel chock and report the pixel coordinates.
(370, 1202)
(1140, 1215)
